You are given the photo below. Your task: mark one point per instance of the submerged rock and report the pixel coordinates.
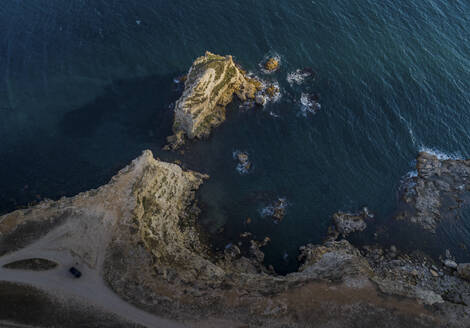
(210, 85)
(300, 75)
(260, 100)
(244, 163)
(277, 210)
(175, 141)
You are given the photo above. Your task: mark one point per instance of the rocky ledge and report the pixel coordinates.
(210, 85)
(139, 233)
(438, 191)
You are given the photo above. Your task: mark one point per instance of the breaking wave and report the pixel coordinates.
(440, 154)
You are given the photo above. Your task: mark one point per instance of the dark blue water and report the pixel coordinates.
(87, 85)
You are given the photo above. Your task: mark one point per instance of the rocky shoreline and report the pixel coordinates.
(147, 246)
(140, 235)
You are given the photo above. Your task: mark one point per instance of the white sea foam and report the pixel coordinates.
(410, 130)
(307, 104)
(298, 76)
(274, 115)
(408, 182)
(241, 169)
(411, 174)
(434, 151)
(278, 95)
(274, 55)
(440, 154)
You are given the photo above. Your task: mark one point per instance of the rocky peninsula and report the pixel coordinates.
(139, 236)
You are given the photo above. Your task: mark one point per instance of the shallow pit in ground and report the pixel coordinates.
(34, 264)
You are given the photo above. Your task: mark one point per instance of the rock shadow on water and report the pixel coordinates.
(135, 106)
(92, 142)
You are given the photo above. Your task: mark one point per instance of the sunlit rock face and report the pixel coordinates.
(210, 85)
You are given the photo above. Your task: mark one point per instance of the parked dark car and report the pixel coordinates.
(75, 272)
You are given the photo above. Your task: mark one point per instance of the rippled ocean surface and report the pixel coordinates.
(86, 85)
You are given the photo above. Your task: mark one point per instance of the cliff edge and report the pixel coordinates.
(139, 235)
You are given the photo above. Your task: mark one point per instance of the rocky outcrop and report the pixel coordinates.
(333, 260)
(439, 190)
(140, 233)
(272, 64)
(277, 210)
(244, 163)
(210, 85)
(463, 269)
(346, 223)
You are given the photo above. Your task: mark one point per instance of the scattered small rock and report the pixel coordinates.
(272, 90)
(279, 209)
(260, 100)
(272, 64)
(256, 252)
(231, 252)
(265, 241)
(244, 163)
(450, 264)
(350, 222)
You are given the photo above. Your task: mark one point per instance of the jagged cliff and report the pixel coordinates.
(139, 233)
(210, 85)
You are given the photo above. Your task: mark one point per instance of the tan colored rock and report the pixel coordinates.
(271, 64)
(272, 90)
(210, 85)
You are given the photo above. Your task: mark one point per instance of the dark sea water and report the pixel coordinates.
(86, 85)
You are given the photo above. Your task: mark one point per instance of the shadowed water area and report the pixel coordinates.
(87, 85)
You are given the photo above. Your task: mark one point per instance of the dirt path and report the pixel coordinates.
(90, 289)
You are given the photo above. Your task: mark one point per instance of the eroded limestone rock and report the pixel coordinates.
(210, 85)
(272, 64)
